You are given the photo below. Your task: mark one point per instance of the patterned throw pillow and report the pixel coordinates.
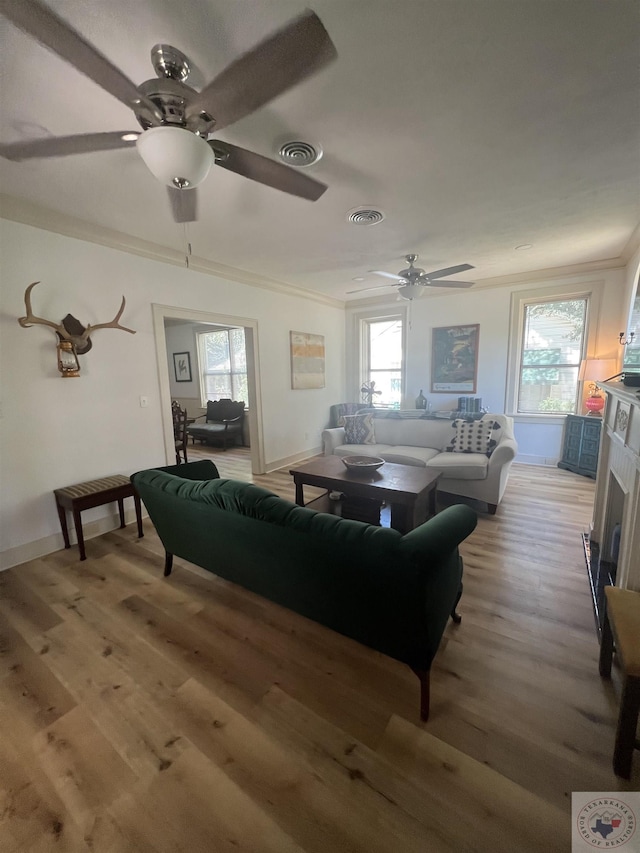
(358, 429)
(473, 436)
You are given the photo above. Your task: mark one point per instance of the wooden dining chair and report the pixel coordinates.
(179, 432)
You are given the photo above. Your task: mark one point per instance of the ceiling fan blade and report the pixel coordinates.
(279, 62)
(184, 204)
(51, 31)
(390, 275)
(448, 283)
(448, 271)
(365, 289)
(266, 171)
(61, 146)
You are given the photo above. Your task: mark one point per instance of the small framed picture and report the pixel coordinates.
(182, 366)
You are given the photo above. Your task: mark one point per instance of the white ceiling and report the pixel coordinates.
(474, 125)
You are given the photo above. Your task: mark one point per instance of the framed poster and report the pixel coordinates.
(182, 366)
(307, 360)
(454, 359)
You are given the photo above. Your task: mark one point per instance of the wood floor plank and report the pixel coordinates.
(27, 686)
(502, 812)
(310, 677)
(32, 816)
(274, 775)
(175, 813)
(97, 638)
(24, 608)
(85, 770)
(48, 582)
(365, 783)
(230, 672)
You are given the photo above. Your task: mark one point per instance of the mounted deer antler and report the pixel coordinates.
(70, 329)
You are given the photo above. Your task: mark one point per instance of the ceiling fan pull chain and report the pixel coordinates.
(187, 253)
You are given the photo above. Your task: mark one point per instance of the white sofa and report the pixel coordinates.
(407, 439)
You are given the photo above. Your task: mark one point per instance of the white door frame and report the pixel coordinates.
(162, 312)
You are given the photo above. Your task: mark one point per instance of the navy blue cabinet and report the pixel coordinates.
(580, 445)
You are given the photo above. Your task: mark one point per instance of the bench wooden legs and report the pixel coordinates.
(77, 523)
(62, 515)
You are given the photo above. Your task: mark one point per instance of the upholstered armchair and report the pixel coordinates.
(224, 421)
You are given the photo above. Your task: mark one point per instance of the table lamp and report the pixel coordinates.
(594, 370)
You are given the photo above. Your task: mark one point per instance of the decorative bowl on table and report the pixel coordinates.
(363, 464)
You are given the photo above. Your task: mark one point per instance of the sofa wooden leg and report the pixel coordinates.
(168, 563)
(424, 676)
(492, 508)
(454, 615)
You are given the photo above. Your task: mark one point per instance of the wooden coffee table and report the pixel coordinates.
(408, 489)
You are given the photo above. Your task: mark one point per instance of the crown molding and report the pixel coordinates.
(551, 273)
(632, 246)
(27, 213)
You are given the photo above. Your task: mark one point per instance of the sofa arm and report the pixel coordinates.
(504, 452)
(441, 534)
(332, 438)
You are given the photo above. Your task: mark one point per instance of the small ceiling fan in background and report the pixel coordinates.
(177, 120)
(412, 281)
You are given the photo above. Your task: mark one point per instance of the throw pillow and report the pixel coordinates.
(358, 429)
(473, 436)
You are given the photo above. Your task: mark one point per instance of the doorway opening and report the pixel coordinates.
(178, 327)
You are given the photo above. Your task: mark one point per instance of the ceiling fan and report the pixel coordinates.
(177, 120)
(412, 281)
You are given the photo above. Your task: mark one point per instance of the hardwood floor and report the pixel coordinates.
(186, 714)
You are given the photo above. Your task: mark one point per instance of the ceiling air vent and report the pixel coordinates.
(365, 216)
(297, 153)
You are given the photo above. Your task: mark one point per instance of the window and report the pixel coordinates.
(382, 360)
(553, 344)
(223, 365)
(632, 350)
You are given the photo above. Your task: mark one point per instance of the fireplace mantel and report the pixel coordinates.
(617, 498)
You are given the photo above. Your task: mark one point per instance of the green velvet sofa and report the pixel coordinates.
(391, 592)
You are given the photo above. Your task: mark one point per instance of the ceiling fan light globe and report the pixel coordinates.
(410, 291)
(175, 156)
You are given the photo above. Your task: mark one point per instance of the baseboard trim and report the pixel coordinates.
(49, 544)
(291, 460)
(536, 460)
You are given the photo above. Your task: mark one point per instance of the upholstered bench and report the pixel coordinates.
(622, 625)
(94, 493)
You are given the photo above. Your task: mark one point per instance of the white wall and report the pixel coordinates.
(539, 438)
(55, 432)
(182, 339)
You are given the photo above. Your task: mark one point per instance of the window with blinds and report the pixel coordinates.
(553, 344)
